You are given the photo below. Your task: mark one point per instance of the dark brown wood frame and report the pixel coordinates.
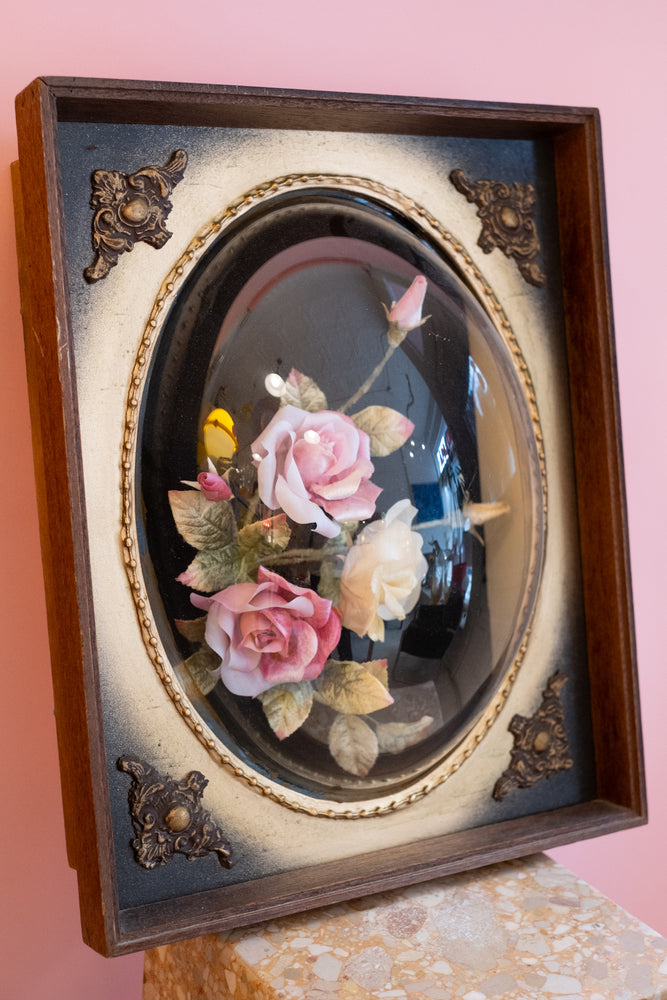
(620, 801)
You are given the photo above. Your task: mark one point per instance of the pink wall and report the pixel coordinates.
(604, 53)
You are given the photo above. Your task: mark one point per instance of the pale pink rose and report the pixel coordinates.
(313, 462)
(213, 487)
(382, 573)
(406, 314)
(268, 633)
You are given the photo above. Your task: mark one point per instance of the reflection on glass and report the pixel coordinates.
(219, 439)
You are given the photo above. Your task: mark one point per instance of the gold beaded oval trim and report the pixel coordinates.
(468, 271)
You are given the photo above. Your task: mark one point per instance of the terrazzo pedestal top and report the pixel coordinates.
(515, 931)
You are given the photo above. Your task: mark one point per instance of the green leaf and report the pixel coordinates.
(331, 566)
(353, 744)
(261, 539)
(204, 524)
(192, 629)
(287, 706)
(304, 392)
(378, 668)
(329, 585)
(393, 737)
(212, 570)
(480, 513)
(200, 666)
(351, 688)
(387, 429)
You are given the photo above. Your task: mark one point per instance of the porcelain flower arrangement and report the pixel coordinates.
(263, 635)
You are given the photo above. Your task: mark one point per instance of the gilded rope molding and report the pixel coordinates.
(180, 271)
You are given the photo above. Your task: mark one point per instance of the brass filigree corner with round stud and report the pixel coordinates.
(506, 211)
(540, 746)
(129, 209)
(168, 817)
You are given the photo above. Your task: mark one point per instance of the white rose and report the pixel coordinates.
(382, 573)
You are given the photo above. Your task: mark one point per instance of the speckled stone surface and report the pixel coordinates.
(515, 931)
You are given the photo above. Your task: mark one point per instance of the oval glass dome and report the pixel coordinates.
(348, 593)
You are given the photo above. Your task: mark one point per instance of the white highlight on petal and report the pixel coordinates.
(274, 385)
(256, 456)
(312, 437)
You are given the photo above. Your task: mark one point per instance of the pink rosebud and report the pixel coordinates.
(213, 487)
(406, 314)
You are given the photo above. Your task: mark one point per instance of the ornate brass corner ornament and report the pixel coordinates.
(540, 744)
(131, 208)
(506, 212)
(168, 817)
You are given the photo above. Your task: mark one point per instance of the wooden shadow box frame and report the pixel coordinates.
(111, 703)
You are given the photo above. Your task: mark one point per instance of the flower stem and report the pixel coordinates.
(251, 509)
(475, 513)
(296, 556)
(454, 520)
(363, 389)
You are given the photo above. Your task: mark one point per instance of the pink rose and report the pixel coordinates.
(268, 633)
(309, 462)
(406, 314)
(213, 487)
